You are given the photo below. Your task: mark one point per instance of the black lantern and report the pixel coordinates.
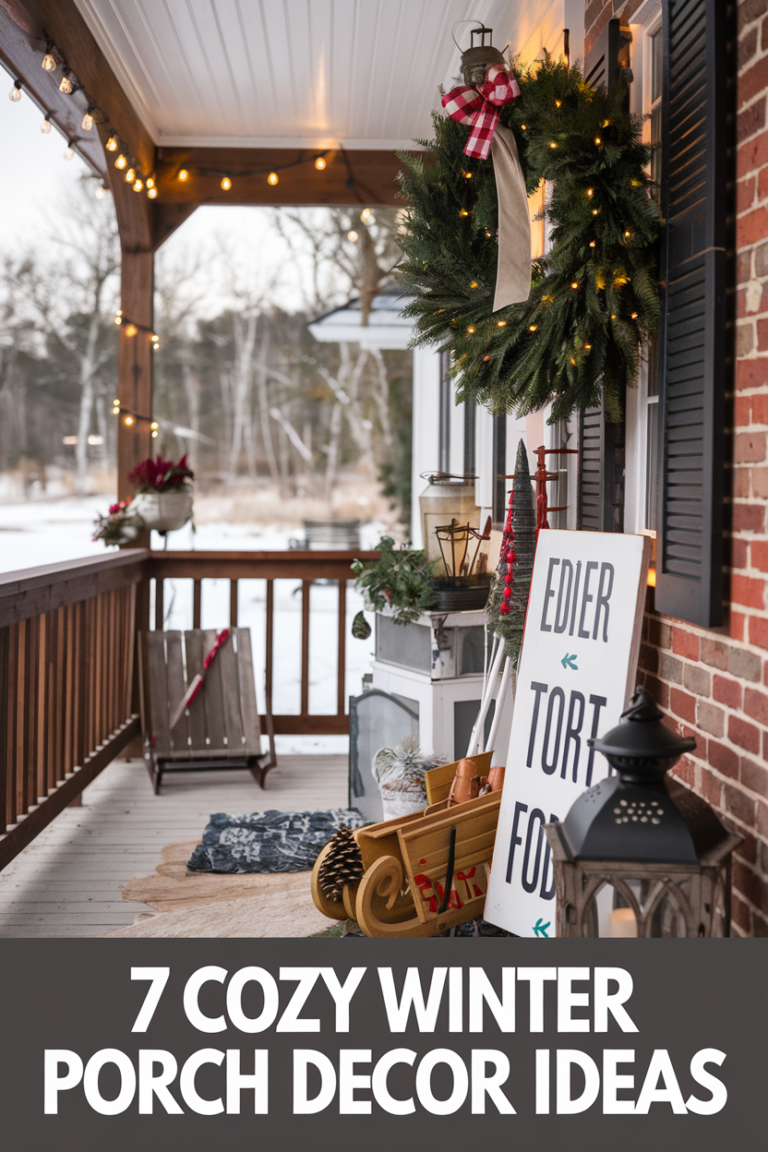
(638, 855)
(476, 61)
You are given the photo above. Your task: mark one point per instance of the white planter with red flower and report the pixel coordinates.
(163, 511)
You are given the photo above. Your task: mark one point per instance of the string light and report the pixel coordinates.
(595, 211)
(486, 357)
(49, 64)
(115, 407)
(634, 315)
(471, 331)
(598, 141)
(501, 323)
(226, 183)
(467, 175)
(627, 235)
(553, 144)
(523, 127)
(574, 284)
(152, 193)
(100, 192)
(558, 103)
(155, 341)
(87, 122)
(463, 212)
(128, 420)
(119, 316)
(532, 327)
(150, 182)
(69, 151)
(131, 330)
(121, 161)
(183, 174)
(138, 185)
(473, 284)
(320, 163)
(590, 192)
(112, 143)
(15, 92)
(130, 176)
(366, 215)
(66, 86)
(592, 244)
(45, 127)
(352, 236)
(587, 347)
(273, 178)
(488, 234)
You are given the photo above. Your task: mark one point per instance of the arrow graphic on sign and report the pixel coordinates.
(541, 929)
(569, 662)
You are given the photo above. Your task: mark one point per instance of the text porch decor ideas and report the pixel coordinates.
(594, 297)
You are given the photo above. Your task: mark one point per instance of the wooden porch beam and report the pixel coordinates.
(362, 176)
(62, 21)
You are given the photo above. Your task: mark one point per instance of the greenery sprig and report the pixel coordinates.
(594, 297)
(398, 580)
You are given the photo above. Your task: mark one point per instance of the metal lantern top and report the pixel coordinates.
(476, 60)
(635, 816)
(642, 749)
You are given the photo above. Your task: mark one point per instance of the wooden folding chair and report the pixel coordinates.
(221, 728)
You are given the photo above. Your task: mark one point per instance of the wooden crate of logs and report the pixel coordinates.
(426, 872)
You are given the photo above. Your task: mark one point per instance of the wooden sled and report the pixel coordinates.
(411, 861)
(221, 728)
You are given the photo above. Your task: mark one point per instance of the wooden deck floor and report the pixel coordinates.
(67, 882)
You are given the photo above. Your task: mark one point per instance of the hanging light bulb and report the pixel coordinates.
(49, 64)
(226, 183)
(115, 407)
(138, 185)
(366, 215)
(272, 178)
(183, 174)
(100, 192)
(150, 181)
(15, 92)
(320, 163)
(130, 176)
(121, 161)
(119, 316)
(45, 127)
(152, 193)
(87, 121)
(352, 236)
(154, 426)
(66, 86)
(155, 346)
(112, 143)
(69, 151)
(128, 420)
(131, 330)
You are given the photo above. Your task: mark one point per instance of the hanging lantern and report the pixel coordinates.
(638, 855)
(476, 60)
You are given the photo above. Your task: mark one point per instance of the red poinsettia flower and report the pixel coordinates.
(160, 475)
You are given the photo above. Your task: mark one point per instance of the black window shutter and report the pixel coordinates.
(693, 349)
(601, 443)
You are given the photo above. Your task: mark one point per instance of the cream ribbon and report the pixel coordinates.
(513, 276)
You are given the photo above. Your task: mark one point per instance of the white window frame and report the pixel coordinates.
(644, 24)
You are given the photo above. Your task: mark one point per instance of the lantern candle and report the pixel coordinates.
(622, 923)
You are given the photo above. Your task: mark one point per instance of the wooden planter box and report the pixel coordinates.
(407, 863)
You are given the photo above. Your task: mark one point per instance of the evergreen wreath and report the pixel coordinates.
(594, 297)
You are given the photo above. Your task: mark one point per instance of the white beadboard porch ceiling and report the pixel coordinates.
(302, 73)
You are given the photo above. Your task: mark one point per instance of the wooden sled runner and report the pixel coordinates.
(421, 877)
(221, 728)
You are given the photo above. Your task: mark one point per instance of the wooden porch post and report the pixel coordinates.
(134, 441)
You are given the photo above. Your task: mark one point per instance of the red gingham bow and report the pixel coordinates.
(479, 107)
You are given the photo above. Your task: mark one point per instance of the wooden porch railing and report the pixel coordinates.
(301, 565)
(68, 689)
(66, 672)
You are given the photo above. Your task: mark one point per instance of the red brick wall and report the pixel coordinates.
(713, 683)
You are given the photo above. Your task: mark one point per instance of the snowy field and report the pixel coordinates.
(54, 531)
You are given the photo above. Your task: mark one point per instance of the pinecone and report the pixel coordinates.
(361, 629)
(343, 865)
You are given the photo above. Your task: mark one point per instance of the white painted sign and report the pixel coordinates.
(576, 673)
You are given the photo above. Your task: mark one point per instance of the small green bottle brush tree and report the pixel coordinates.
(594, 297)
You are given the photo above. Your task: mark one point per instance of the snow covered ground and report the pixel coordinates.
(52, 531)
